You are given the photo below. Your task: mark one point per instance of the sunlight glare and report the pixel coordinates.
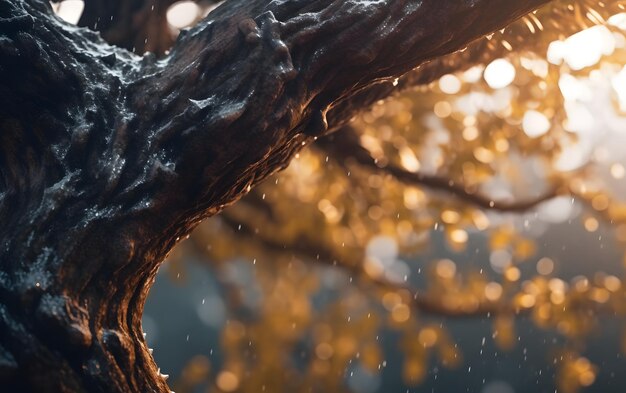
(535, 124)
(582, 49)
(619, 85)
(618, 20)
(450, 84)
(499, 73)
(182, 14)
(70, 10)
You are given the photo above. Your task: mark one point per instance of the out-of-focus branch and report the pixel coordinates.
(309, 250)
(344, 147)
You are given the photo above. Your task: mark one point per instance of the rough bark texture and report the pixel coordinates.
(107, 159)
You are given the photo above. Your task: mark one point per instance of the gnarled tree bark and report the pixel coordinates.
(107, 159)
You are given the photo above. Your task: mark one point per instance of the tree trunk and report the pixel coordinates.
(107, 159)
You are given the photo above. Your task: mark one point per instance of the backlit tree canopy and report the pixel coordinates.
(513, 142)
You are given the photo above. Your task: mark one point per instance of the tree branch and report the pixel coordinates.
(318, 253)
(344, 147)
(107, 159)
(531, 33)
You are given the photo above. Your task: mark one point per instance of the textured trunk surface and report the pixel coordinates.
(107, 159)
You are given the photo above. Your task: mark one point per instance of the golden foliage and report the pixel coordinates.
(442, 156)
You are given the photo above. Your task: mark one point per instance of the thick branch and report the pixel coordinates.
(532, 33)
(108, 159)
